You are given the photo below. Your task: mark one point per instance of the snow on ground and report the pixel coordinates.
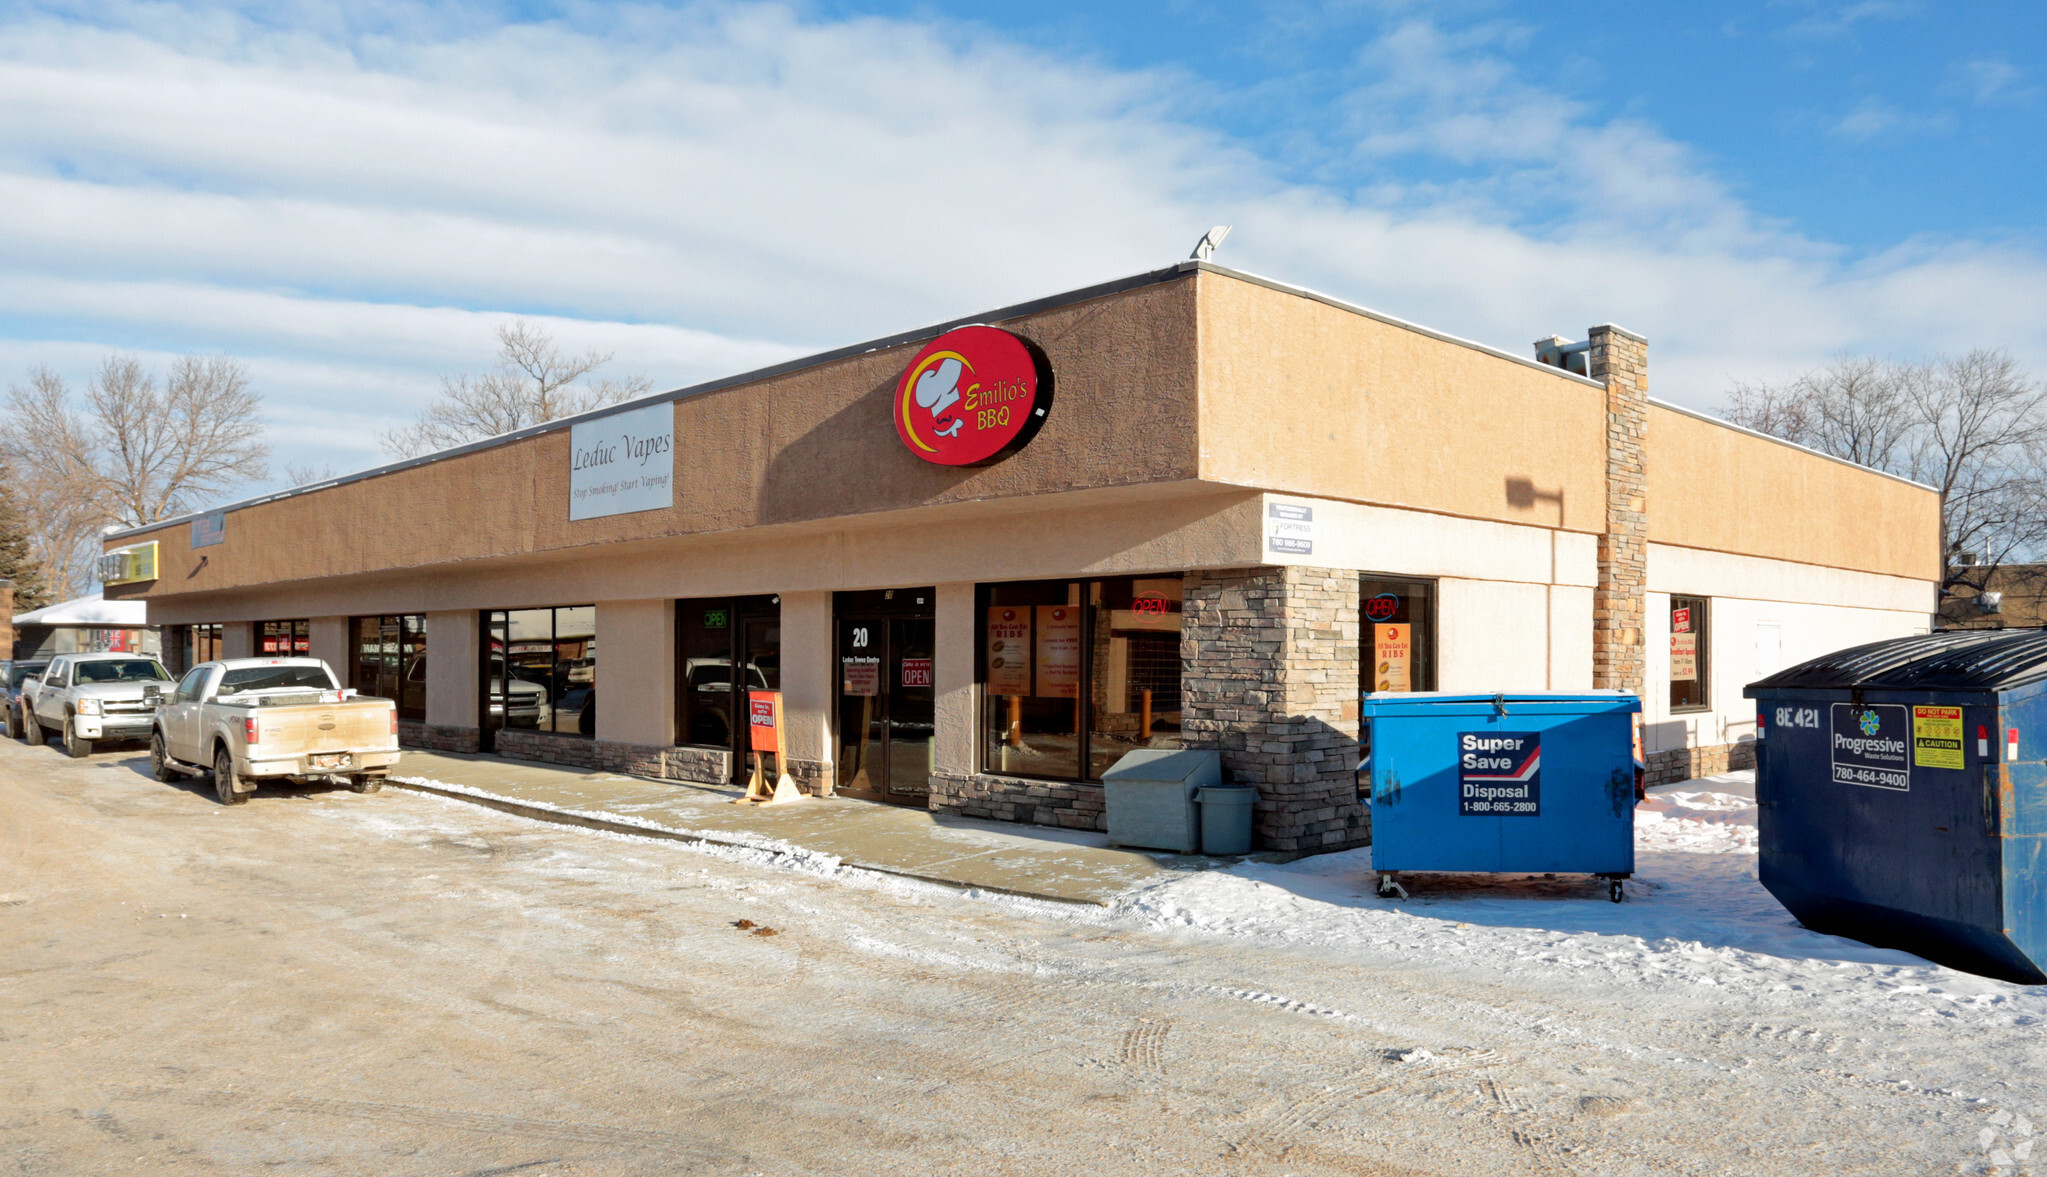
(1695, 916)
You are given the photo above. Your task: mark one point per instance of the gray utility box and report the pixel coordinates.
(1149, 795)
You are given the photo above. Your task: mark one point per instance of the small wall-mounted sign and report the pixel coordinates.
(972, 396)
(623, 463)
(130, 565)
(1289, 529)
(209, 529)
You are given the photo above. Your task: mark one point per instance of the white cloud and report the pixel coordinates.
(1988, 81)
(708, 190)
(1872, 117)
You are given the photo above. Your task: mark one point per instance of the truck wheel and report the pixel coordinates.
(160, 760)
(365, 783)
(75, 747)
(31, 731)
(225, 780)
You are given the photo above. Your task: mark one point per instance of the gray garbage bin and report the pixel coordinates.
(1149, 796)
(1226, 812)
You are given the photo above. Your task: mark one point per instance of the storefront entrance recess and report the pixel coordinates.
(885, 699)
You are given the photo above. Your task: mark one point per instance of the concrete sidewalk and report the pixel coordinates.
(1072, 866)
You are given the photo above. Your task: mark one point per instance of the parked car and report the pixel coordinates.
(12, 675)
(91, 697)
(248, 720)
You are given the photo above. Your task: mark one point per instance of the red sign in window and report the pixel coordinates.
(916, 672)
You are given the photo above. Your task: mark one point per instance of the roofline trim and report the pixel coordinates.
(1724, 423)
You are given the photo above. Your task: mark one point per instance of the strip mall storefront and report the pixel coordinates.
(982, 561)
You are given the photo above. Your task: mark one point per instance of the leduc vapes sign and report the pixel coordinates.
(972, 396)
(623, 463)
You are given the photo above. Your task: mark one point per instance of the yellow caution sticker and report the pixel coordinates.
(1937, 737)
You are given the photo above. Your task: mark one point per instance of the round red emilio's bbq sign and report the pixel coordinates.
(974, 395)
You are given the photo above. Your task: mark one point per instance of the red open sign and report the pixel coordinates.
(764, 720)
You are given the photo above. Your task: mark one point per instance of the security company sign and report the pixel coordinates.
(1869, 746)
(1499, 774)
(1289, 529)
(972, 396)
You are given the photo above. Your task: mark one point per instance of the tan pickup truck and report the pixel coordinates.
(248, 720)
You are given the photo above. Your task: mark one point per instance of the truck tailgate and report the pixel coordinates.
(324, 727)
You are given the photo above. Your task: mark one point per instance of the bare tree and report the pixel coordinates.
(1973, 427)
(139, 452)
(296, 475)
(533, 383)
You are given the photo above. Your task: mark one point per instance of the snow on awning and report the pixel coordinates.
(90, 611)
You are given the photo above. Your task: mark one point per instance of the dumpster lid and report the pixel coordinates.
(1167, 764)
(1962, 660)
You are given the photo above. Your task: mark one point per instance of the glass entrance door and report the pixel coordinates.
(886, 703)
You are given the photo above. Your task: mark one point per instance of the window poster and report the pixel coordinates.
(1392, 654)
(1684, 657)
(1009, 650)
(862, 677)
(1059, 651)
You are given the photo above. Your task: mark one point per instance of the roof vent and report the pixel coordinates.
(1558, 352)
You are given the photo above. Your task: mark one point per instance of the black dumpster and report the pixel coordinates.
(1902, 789)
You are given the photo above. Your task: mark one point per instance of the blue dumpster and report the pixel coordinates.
(1527, 783)
(1902, 796)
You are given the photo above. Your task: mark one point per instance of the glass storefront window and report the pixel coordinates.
(727, 646)
(388, 660)
(1688, 643)
(284, 638)
(1134, 668)
(1396, 635)
(187, 646)
(1076, 673)
(542, 670)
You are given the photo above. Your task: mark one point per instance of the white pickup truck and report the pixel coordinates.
(248, 720)
(88, 697)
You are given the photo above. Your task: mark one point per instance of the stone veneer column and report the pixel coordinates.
(1269, 676)
(6, 618)
(1620, 358)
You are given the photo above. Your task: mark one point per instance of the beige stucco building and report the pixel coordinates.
(1240, 495)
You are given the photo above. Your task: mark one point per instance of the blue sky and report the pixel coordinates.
(1860, 123)
(353, 196)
